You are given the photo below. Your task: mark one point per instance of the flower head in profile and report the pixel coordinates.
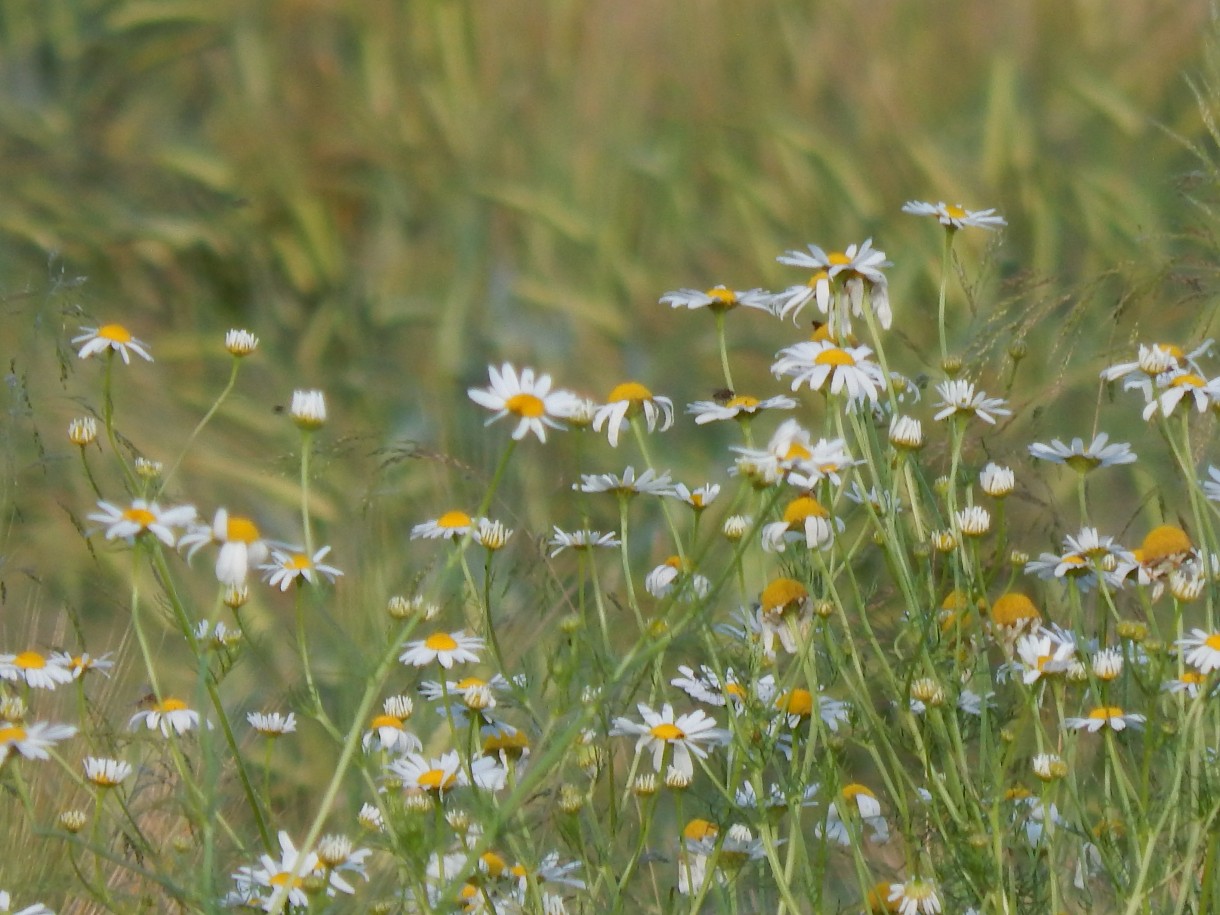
(308, 409)
(579, 540)
(1177, 386)
(1154, 360)
(106, 773)
(32, 741)
(629, 484)
(630, 399)
(675, 576)
(241, 545)
(1201, 649)
(443, 648)
(738, 406)
(916, 896)
(717, 299)
(1105, 716)
(169, 716)
(272, 724)
(1082, 458)
(452, 525)
(527, 398)
(292, 565)
(240, 342)
(141, 516)
(113, 337)
(35, 670)
(959, 398)
(856, 804)
(691, 734)
(954, 217)
(838, 285)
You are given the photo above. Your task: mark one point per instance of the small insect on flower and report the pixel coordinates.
(955, 217)
(106, 773)
(1105, 716)
(443, 648)
(527, 397)
(693, 733)
(627, 400)
(293, 565)
(129, 523)
(1083, 459)
(168, 716)
(113, 337)
(717, 299)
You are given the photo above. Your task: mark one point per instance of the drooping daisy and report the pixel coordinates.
(527, 398)
(473, 692)
(674, 575)
(106, 773)
(707, 687)
(272, 724)
(739, 406)
(954, 217)
(997, 481)
(1105, 716)
(113, 337)
(628, 484)
(1177, 386)
(959, 398)
(840, 369)
(692, 733)
(579, 540)
(792, 455)
(805, 521)
(308, 409)
(168, 716)
(33, 741)
(785, 612)
(838, 275)
(906, 433)
(129, 523)
(294, 565)
(1201, 650)
(855, 802)
(388, 732)
(241, 545)
(240, 342)
(452, 525)
(35, 669)
(1043, 653)
(627, 400)
(1083, 459)
(442, 648)
(718, 298)
(972, 521)
(917, 896)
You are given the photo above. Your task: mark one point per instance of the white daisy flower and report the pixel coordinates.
(861, 803)
(106, 773)
(917, 896)
(739, 406)
(527, 398)
(241, 545)
(579, 540)
(452, 525)
(1044, 652)
(491, 535)
(804, 521)
(419, 773)
(853, 271)
(821, 364)
(35, 669)
(997, 481)
(692, 733)
(1177, 386)
(1105, 716)
(294, 565)
(959, 398)
(627, 400)
(32, 741)
(792, 455)
(168, 716)
(1083, 459)
(954, 217)
(707, 687)
(443, 648)
(475, 692)
(673, 575)
(128, 523)
(240, 342)
(272, 724)
(113, 337)
(1201, 650)
(388, 732)
(308, 409)
(284, 879)
(84, 662)
(718, 298)
(648, 482)
(698, 498)
(1154, 360)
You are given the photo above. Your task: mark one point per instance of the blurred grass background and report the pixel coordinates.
(393, 194)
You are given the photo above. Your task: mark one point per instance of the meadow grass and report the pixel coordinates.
(872, 678)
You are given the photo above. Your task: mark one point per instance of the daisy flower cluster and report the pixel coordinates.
(875, 647)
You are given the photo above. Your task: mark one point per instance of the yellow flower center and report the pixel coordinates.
(838, 259)
(631, 391)
(170, 705)
(526, 405)
(782, 592)
(820, 277)
(298, 561)
(674, 562)
(797, 452)
(436, 779)
(386, 721)
(697, 830)
(734, 689)
(1013, 608)
(115, 333)
(667, 731)
(804, 507)
(241, 530)
(834, 356)
(1082, 463)
(440, 641)
(12, 734)
(1213, 641)
(797, 702)
(1106, 712)
(1189, 380)
(141, 516)
(453, 520)
(470, 683)
(493, 863)
(1163, 542)
(743, 402)
(1172, 349)
(285, 878)
(852, 791)
(1193, 677)
(955, 212)
(30, 660)
(722, 298)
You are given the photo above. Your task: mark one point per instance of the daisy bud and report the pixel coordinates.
(941, 486)
(928, 691)
(148, 470)
(370, 818)
(1132, 630)
(458, 820)
(82, 431)
(415, 801)
(824, 609)
(1076, 672)
(952, 366)
(1107, 664)
(997, 481)
(645, 785)
(240, 342)
(676, 779)
(1186, 585)
(571, 799)
(334, 850)
(73, 821)
(906, 433)
(736, 527)
(12, 709)
(943, 541)
(1018, 558)
(1018, 349)
(235, 596)
(973, 521)
(571, 623)
(308, 410)
(398, 607)
(1049, 767)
